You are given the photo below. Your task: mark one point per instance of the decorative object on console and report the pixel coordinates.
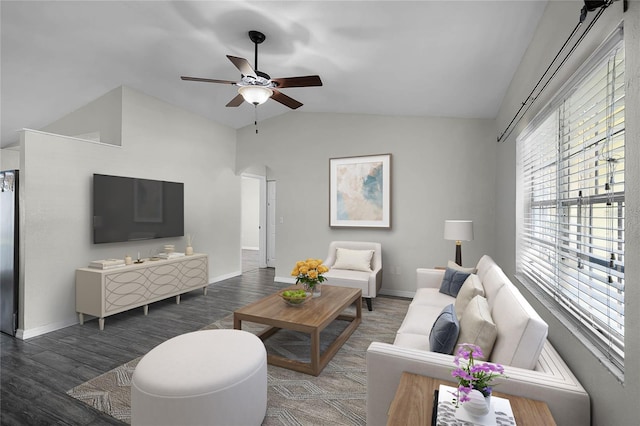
(360, 191)
(472, 376)
(309, 273)
(189, 248)
(106, 263)
(128, 260)
(458, 231)
(171, 255)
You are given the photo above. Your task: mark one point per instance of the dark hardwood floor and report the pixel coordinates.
(36, 374)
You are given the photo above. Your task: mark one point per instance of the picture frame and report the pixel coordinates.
(360, 191)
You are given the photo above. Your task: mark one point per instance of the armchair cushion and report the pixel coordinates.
(355, 260)
(452, 281)
(444, 332)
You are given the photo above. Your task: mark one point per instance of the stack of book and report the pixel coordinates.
(170, 255)
(107, 263)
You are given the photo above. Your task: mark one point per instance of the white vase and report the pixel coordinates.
(477, 405)
(188, 251)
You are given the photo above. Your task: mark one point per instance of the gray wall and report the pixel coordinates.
(441, 169)
(613, 403)
(96, 117)
(160, 142)
(250, 213)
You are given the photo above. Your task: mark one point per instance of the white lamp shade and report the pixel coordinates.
(255, 94)
(458, 230)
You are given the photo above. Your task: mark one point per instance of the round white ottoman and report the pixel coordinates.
(209, 377)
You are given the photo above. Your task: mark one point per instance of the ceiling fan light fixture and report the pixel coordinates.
(255, 95)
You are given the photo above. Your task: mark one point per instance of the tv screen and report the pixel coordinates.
(129, 209)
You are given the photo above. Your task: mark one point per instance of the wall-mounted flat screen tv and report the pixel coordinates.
(129, 209)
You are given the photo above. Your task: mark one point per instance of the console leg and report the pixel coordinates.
(368, 299)
(145, 309)
(177, 299)
(81, 318)
(101, 323)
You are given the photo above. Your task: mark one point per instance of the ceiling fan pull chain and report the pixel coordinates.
(255, 121)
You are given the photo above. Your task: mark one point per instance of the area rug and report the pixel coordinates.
(337, 396)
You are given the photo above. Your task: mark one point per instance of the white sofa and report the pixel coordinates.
(534, 368)
(369, 280)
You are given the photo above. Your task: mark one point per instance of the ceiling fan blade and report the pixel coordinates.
(207, 80)
(306, 81)
(243, 65)
(285, 100)
(237, 101)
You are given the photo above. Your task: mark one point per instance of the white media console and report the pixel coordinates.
(107, 292)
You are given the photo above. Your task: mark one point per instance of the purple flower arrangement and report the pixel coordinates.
(471, 375)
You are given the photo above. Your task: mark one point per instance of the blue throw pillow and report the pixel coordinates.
(452, 281)
(445, 331)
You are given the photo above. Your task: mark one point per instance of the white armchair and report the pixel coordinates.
(352, 268)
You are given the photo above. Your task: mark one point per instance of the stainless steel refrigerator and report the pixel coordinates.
(9, 260)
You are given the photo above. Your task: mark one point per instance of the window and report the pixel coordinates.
(571, 200)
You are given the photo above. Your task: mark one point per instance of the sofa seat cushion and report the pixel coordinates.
(419, 319)
(349, 278)
(412, 341)
(431, 297)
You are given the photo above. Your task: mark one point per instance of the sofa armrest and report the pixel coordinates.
(569, 404)
(429, 278)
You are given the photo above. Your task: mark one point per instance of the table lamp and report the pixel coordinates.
(458, 231)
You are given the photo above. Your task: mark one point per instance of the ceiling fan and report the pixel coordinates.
(256, 87)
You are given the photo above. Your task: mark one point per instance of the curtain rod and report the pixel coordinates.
(528, 102)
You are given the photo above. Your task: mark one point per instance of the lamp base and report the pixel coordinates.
(459, 253)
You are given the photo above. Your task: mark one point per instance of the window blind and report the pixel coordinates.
(571, 196)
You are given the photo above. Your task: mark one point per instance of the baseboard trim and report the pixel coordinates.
(226, 276)
(286, 280)
(37, 331)
(398, 293)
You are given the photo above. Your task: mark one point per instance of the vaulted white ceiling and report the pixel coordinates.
(417, 58)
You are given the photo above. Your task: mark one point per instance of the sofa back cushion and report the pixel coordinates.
(494, 280)
(484, 264)
(521, 331)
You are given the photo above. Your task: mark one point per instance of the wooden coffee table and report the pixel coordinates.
(312, 317)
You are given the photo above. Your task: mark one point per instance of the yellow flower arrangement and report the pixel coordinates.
(309, 272)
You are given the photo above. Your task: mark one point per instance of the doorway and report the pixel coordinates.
(255, 242)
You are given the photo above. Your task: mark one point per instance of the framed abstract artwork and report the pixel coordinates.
(360, 191)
